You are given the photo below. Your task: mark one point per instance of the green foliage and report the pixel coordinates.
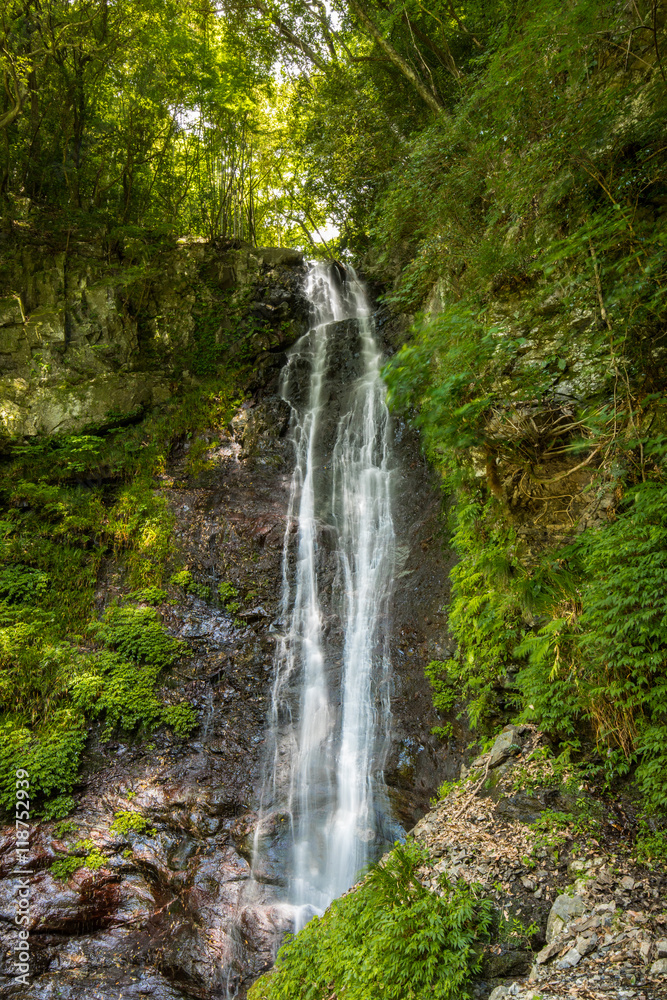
(64, 829)
(120, 690)
(54, 534)
(514, 932)
(444, 790)
(64, 867)
(484, 616)
(120, 682)
(597, 647)
(22, 584)
(391, 937)
(50, 756)
(57, 807)
(543, 769)
(114, 93)
(535, 198)
(444, 695)
(127, 821)
(138, 633)
(141, 525)
(88, 856)
(94, 858)
(227, 591)
(608, 661)
(181, 718)
(554, 828)
(650, 845)
(149, 595)
(184, 579)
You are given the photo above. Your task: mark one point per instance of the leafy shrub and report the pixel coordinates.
(182, 718)
(141, 527)
(22, 583)
(64, 867)
(597, 651)
(513, 208)
(149, 595)
(64, 829)
(53, 537)
(51, 757)
(57, 807)
(72, 454)
(123, 691)
(651, 845)
(484, 616)
(624, 634)
(392, 937)
(226, 592)
(606, 659)
(139, 633)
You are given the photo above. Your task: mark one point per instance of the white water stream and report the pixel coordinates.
(330, 707)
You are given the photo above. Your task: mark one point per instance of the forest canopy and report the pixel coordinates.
(247, 118)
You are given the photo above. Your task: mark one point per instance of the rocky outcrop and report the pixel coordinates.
(84, 344)
(576, 914)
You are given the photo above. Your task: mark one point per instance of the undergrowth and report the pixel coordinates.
(530, 223)
(391, 937)
(68, 505)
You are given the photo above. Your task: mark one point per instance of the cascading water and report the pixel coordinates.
(324, 802)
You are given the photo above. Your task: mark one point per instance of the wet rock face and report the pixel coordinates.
(165, 917)
(418, 761)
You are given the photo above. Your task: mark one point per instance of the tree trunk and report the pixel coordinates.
(397, 59)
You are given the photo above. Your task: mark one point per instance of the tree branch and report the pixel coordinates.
(286, 32)
(396, 59)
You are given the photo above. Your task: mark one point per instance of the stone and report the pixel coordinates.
(565, 909)
(548, 952)
(10, 338)
(70, 410)
(627, 882)
(499, 993)
(585, 944)
(645, 950)
(274, 256)
(507, 744)
(522, 806)
(10, 312)
(586, 925)
(661, 948)
(551, 305)
(513, 962)
(659, 968)
(46, 327)
(569, 960)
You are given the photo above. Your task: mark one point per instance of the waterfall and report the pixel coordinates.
(324, 798)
